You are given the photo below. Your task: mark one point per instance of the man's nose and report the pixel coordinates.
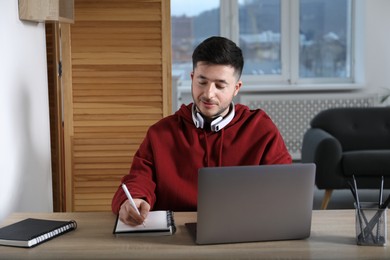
(210, 90)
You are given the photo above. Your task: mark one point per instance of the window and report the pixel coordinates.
(260, 36)
(192, 22)
(325, 39)
(284, 42)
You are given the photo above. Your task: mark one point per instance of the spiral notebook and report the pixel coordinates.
(157, 223)
(31, 231)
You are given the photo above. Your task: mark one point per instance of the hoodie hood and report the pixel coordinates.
(185, 114)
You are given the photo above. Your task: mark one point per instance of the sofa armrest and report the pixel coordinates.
(318, 144)
(325, 151)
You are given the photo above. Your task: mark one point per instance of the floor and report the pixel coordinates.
(342, 199)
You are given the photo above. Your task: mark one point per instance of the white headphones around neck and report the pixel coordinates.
(217, 124)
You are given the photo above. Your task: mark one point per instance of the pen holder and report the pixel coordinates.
(371, 224)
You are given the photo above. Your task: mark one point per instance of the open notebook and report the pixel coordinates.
(254, 203)
(157, 223)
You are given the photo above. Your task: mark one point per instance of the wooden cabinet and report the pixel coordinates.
(46, 10)
(116, 82)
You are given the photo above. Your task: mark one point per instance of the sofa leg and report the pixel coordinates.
(326, 199)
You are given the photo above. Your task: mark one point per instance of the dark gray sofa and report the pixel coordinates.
(349, 141)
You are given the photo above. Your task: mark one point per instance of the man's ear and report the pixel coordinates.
(192, 75)
(237, 87)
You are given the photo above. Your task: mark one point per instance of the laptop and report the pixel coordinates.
(254, 203)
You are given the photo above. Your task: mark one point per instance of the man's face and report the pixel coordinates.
(213, 88)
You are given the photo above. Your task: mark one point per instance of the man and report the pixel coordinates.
(211, 131)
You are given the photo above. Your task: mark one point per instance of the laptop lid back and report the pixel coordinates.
(254, 203)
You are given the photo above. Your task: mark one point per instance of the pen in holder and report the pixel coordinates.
(371, 219)
(371, 224)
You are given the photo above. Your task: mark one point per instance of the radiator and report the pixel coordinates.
(292, 112)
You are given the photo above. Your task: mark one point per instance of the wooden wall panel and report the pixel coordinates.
(119, 86)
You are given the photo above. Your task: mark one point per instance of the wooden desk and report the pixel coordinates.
(332, 237)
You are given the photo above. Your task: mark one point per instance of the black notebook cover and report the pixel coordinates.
(31, 232)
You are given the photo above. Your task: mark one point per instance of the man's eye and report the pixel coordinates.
(202, 82)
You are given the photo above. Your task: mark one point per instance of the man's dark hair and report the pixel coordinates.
(220, 51)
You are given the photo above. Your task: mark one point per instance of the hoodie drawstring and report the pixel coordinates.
(221, 147)
(222, 135)
(207, 149)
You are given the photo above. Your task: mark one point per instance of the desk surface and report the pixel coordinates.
(332, 237)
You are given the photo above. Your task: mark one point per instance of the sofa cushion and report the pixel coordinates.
(366, 163)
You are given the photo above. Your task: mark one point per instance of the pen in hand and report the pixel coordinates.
(128, 195)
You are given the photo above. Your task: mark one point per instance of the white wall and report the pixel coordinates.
(377, 43)
(25, 167)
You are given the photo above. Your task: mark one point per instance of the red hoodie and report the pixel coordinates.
(164, 169)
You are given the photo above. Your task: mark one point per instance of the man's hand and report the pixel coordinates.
(129, 216)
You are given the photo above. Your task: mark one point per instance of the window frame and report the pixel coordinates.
(289, 79)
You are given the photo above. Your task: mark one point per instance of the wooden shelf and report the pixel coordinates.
(47, 10)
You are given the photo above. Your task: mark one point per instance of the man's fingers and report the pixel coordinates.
(129, 216)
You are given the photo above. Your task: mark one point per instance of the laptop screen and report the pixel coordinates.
(254, 203)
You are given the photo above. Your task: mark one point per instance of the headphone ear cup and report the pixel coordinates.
(214, 124)
(221, 122)
(200, 121)
(197, 118)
